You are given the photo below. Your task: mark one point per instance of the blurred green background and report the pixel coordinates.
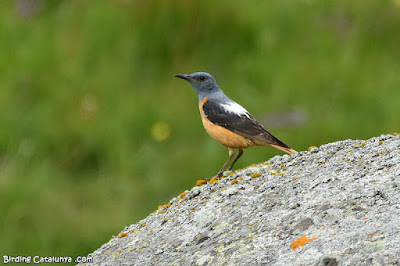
(95, 132)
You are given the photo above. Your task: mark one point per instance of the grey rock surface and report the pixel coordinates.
(343, 198)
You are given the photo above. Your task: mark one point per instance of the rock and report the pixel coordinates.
(338, 204)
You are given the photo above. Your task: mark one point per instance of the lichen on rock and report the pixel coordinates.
(340, 202)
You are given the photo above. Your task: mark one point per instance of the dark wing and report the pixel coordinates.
(243, 124)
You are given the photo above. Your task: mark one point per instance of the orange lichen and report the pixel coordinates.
(256, 174)
(364, 143)
(311, 147)
(213, 180)
(123, 234)
(301, 242)
(365, 218)
(371, 235)
(182, 195)
(166, 206)
(201, 182)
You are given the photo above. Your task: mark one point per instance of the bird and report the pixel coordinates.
(227, 121)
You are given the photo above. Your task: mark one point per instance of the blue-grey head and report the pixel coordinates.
(204, 84)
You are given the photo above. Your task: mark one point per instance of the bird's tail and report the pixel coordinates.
(285, 149)
(267, 139)
(272, 141)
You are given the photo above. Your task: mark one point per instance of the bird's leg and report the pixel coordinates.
(231, 153)
(237, 158)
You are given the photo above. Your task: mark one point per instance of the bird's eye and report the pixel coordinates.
(201, 78)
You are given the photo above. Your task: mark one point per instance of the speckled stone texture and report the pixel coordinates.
(344, 196)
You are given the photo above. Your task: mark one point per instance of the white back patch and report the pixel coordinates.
(235, 108)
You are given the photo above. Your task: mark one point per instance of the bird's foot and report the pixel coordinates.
(224, 173)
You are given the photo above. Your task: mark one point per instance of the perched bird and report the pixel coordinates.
(227, 121)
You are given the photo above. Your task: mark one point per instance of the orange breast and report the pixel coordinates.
(223, 135)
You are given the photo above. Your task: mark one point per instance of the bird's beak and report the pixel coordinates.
(183, 76)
